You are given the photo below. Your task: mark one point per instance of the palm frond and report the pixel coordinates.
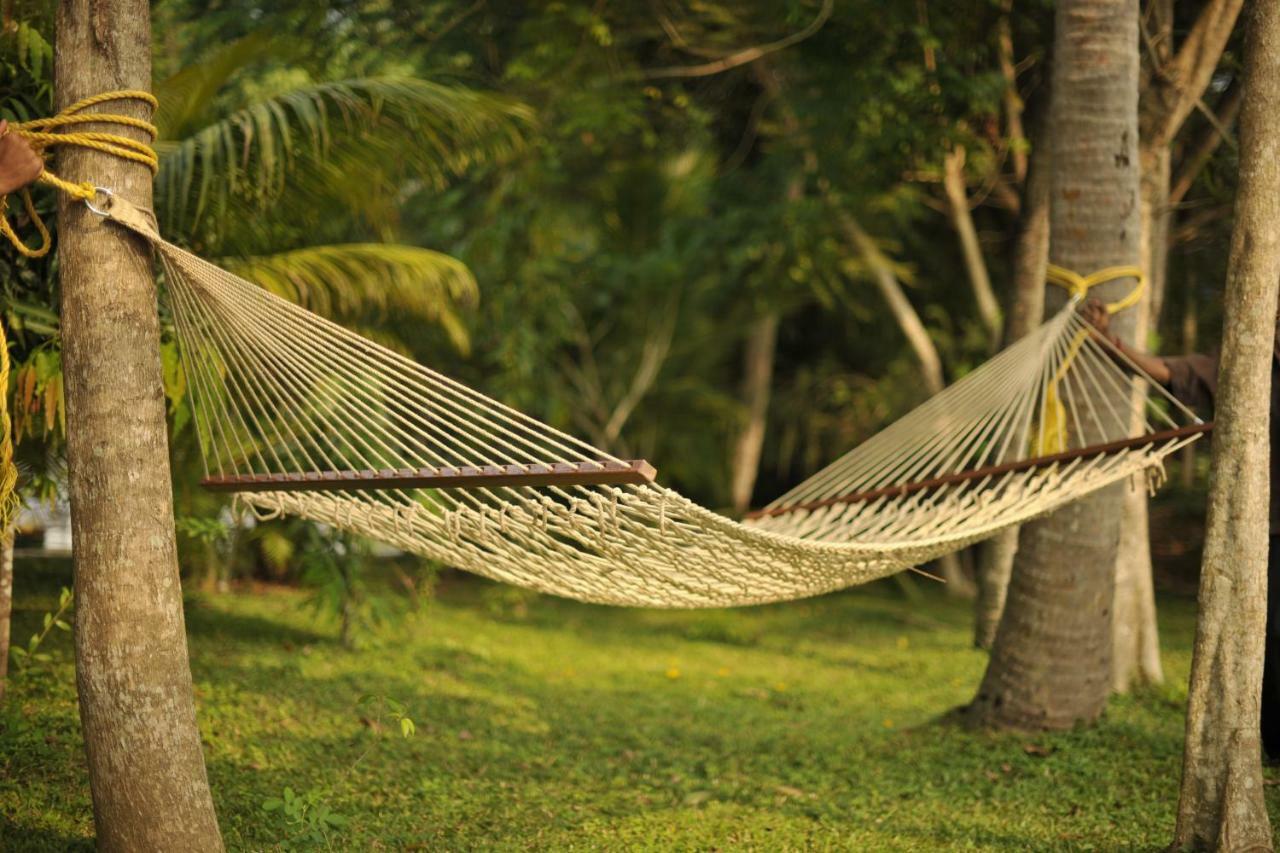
(294, 143)
(356, 280)
(187, 97)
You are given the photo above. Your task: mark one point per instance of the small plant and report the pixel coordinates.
(24, 658)
(308, 816)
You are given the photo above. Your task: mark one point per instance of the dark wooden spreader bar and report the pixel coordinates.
(991, 470)
(633, 472)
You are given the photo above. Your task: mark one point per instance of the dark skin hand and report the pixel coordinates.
(19, 164)
(1096, 314)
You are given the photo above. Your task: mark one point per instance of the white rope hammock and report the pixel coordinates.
(299, 416)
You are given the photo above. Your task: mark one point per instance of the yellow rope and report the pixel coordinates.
(43, 134)
(1052, 435)
(8, 471)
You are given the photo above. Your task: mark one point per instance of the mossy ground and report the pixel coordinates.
(555, 725)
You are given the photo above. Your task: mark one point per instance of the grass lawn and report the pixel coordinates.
(801, 726)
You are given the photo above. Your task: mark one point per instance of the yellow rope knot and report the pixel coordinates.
(1052, 436)
(1080, 285)
(45, 133)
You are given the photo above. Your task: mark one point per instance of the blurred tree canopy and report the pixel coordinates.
(580, 207)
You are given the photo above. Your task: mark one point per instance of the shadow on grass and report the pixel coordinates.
(17, 837)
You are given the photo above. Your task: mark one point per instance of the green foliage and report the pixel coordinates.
(367, 281)
(328, 143)
(346, 581)
(31, 654)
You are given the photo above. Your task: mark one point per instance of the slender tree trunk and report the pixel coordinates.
(757, 383)
(1031, 257)
(886, 281)
(6, 605)
(975, 265)
(1174, 82)
(1221, 804)
(1063, 579)
(1190, 335)
(1135, 654)
(146, 770)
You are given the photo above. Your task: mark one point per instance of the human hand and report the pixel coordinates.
(1096, 314)
(19, 164)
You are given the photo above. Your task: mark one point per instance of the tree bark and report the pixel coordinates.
(1135, 653)
(1061, 590)
(757, 382)
(146, 770)
(1031, 257)
(6, 606)
(1221, 804)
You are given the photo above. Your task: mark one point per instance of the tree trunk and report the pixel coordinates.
(146, 770)
(975, 266)
(6, 605)
(1031, 257)
(886, 281)
(1174, 84)
(757, 382)
(1190, 335)
(1061, 591)
(1135, 654)
(1221, 804)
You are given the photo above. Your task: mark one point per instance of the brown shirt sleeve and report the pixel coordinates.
(1193, 379)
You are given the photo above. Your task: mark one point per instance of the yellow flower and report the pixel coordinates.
(673, 673)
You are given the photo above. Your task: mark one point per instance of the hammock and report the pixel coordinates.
(297, 415)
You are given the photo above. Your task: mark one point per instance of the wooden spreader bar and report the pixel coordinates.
(991, 470)
(603, 473)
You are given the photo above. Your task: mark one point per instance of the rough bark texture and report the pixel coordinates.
(757, 382)
(1031, 257)
(146, 770)
(1063, 579)
(1221, 804)
(6, 605)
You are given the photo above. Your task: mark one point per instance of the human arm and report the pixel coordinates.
(1152, 365)
(19, 164)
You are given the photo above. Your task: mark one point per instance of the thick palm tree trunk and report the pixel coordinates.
(1061, 590)
(146, 770)
(1221, 804)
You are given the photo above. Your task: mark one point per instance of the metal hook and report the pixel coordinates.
(96, 192)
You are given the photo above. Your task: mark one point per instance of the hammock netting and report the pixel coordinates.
(300, 416)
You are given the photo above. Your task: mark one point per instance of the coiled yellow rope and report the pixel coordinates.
(42, 134)
(1052, 435)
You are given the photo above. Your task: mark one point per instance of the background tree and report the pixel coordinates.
(1221, 805)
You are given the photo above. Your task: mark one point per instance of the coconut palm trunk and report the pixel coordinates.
(146, 769)
(1221, 805)
(1061, 589)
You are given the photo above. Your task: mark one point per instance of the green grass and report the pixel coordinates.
(804, 726)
